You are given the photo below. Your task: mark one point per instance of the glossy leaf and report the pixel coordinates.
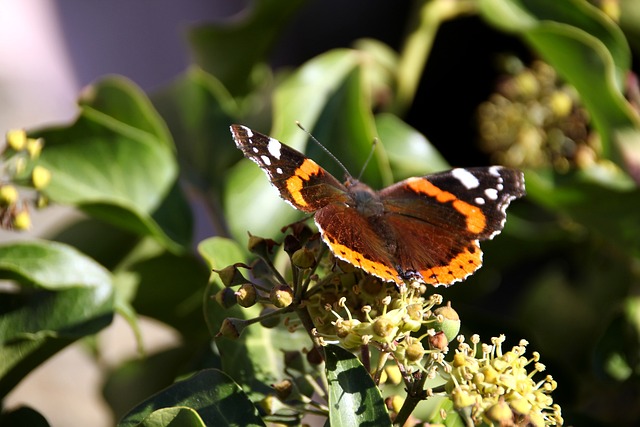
(402, 142)
(198, 110)
(232, 50)
(213, 395)
(354, 398)
(173, 417)
(62, 296)
(117, 162)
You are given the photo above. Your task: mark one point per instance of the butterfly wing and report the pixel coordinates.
(356, 239)
(439, 219)
(300, 180)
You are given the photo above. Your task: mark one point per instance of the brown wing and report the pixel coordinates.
(438, 220)
(356, 239)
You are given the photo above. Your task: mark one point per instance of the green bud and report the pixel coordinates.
(232, 328)
(451, 324)
(231, 276)
(303, 258)
(281, 296)
(246, 295)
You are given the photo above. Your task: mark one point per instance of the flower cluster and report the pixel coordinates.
(497, 388)
(17, 169)
(533, 120)
(340, 304)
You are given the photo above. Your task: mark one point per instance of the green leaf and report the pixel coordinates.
(117, 163)
(453, 418)
(212, 394)
(232, 50)
(63, 295)
(173, 417)
(409, 152)
(354, 398)
(590, 53)
(198, 110)
(170, 290)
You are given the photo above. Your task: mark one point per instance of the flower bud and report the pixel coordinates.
(232, 328)
(246, 295)
(415, 352)
(281, 296)
(8, 195)
(34, 147)
(303, 258)
(226, 297)
(499, 412)
(438, 341)
(17, 139)
(451, 324)
(231, 276)
(22, 221)
(40, 177)
(461, 398)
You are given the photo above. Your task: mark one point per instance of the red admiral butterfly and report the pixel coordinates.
(423, 228)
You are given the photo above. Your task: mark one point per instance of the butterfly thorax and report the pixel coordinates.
(364, 199)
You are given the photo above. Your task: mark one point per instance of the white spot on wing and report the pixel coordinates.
(495, 170)
(466, 178)
(249, 131)
(255, 150)
(274, 148)
(479, 201)
(266, 160)
(279, 171)
(491, 193)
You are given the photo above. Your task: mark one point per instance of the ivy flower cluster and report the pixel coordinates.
(19, 176)
(497, 387)
(533, 120)
(411, 330)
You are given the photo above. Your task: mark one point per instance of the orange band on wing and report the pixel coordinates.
(465, 263)
(476, 220)
(294, 184)
(376, 268)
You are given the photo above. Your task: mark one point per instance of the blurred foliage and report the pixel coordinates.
(561, 104)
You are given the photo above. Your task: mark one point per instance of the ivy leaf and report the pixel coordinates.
(354, 399)
(215, 397)
(62, 296)
(117, 163)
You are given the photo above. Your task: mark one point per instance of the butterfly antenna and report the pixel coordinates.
(325, 149)
(366, 163)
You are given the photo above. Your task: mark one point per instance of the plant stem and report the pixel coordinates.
(415, 52)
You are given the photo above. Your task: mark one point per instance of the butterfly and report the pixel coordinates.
(424, 229)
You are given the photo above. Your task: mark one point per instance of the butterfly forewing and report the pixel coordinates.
(300, 181)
